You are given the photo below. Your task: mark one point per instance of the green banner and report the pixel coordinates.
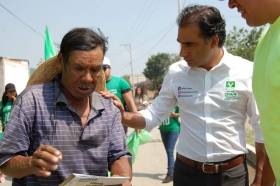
(49, 48)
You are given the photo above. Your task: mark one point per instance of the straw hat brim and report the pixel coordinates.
(48, 70)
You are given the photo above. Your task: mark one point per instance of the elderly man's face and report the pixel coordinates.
(255, 12)
(81, 73)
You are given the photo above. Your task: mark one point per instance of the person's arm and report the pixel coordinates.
(131, 119)
(174, 115)
(260, 156)
(159, 110)
(122, 167)
(13, 98)
(119, 158)
(269, 179)
(43, 161)
(253, 113)
(129, 100)
(264, 175)
(17, 167)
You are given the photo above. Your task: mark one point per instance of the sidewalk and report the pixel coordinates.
(150, 165)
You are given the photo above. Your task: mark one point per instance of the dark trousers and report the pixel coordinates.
(185, 175)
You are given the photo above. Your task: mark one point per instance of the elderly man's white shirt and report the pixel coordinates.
(213, 106)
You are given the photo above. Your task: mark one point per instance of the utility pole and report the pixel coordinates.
(179, 6)
(179, 11)
(132, 76)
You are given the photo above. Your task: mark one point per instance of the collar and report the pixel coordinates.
(224, 61)
(95, 101)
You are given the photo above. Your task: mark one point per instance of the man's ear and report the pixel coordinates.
(60, 60)
(214, 41)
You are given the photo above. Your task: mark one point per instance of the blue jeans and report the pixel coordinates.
(169, 140)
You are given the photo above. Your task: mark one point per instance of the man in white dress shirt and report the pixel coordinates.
(214, 93)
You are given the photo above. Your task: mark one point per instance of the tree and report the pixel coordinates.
(243, 42)
(157, 66)
(126, 78)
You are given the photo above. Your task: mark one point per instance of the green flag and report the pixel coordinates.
(49, 48)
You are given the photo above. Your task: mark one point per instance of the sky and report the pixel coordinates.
(148, 27)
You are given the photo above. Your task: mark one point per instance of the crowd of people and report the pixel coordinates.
(65, 126)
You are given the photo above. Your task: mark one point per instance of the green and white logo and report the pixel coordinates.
(231, 96)
(230, 85)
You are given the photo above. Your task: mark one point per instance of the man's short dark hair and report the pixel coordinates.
(208, 18)
(83, 39)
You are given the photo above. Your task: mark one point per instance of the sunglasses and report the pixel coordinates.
(105, 67)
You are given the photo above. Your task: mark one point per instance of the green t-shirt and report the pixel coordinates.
(266, 87)
(118, 86)
(171, 124)
(5, 115)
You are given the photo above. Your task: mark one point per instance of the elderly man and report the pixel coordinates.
(64, 127)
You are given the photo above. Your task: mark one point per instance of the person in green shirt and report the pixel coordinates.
(169, 131)
(8, 98)
(266, 77)
(119, 87)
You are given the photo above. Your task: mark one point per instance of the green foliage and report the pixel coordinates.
(126, 78)
(243, 42)
(157, 66)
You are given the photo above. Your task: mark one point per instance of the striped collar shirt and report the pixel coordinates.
(42, 116)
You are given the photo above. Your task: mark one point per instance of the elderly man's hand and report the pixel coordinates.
(44, 160)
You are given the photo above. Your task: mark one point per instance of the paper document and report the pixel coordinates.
(91, 180)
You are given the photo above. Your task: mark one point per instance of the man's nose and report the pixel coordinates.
(231, 3)
(183, 52)
(88, 76)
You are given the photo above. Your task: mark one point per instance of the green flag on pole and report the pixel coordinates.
(49, 48)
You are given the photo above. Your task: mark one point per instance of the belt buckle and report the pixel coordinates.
(210, 164)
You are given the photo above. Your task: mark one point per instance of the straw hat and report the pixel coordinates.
(48, 70)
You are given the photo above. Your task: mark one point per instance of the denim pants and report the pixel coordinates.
(185, 175)
(169, 140)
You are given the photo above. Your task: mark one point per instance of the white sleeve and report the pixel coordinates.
(253, 113)
(164, 103)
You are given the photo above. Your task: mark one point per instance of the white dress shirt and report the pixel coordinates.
(213, 106)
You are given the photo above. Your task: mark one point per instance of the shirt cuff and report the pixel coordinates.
(258, 133)
(148, 118)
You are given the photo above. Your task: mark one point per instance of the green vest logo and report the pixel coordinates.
(230, 85)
